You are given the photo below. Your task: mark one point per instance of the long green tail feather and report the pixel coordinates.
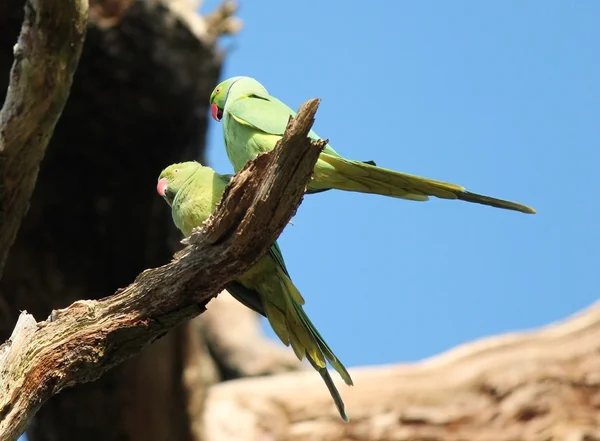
(324, 348)
(365, 178)
(305, 340)
(294, 328)
(296, 313)
(335, 394)
(493, 202)
(321, 190)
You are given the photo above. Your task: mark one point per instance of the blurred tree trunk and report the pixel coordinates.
(138, 103)
(542, 385)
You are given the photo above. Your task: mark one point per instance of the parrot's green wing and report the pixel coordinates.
(275, 253)
(296, 328)
(265, 113)
(296, 300)
(269, 115)
(249, 297)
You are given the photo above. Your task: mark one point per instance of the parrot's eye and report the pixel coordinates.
(217, 90)
(176, 170)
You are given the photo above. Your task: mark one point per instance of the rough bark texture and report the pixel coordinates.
(134, 108)
(45, 57)
(535, 386)
(80, 343)
(138, 102)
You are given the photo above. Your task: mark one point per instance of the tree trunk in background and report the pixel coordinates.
(533, 386)
(138, 103)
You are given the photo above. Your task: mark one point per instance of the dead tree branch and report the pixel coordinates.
(79, 343)
(530, 386)
(46, 56)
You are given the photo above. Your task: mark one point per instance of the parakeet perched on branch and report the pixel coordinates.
(192, 191)
(253, 122)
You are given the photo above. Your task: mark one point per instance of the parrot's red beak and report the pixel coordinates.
(216, 113)
(161, 187)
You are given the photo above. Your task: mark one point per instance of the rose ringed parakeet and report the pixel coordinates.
(253, 122)
(193, 191)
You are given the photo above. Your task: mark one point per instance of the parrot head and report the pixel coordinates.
(232, 89)
(173, 177)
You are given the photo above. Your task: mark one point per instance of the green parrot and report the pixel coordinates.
(193, 192)
(253, 122)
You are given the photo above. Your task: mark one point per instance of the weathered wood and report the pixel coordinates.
(45, 58)
(531, 386)
(79, 343)
(138, 102)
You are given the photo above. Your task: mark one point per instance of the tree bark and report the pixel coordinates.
(531, 386)
(80, 343)
(46, 56)
(138, 103)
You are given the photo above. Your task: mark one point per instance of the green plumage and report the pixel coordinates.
(253, 122)
(193, 192)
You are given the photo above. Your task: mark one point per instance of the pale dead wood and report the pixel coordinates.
(79, 343)
(534, 386)
(46, 56)
(222, 20)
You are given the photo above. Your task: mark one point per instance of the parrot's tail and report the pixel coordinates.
(335, 394)
(317, 351)
(334, 172)
(294, 328)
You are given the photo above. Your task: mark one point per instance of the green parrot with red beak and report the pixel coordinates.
(193, 192)
(253, 122)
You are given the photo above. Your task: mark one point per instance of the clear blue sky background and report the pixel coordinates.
(502, 97)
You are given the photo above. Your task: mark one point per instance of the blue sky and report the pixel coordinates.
(501, 97)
